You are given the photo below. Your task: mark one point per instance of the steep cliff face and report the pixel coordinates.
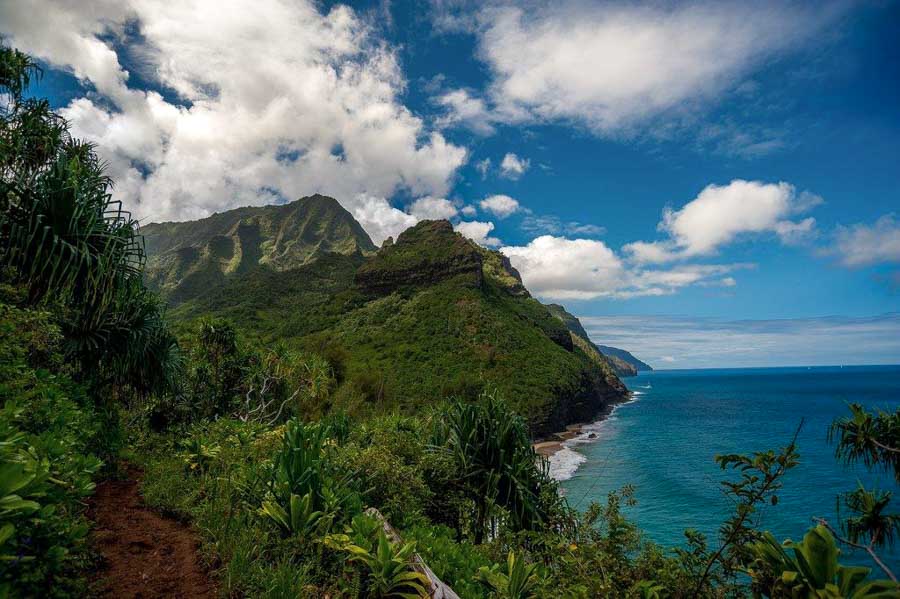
(187, 259)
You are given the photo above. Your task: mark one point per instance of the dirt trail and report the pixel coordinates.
(144, 554)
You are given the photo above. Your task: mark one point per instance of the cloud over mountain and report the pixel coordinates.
(478, 231)
(583, 269)
(242, 107)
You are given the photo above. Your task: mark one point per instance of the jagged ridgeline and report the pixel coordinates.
(187, 258)
(430, 315)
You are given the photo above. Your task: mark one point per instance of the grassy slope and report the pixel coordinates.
(270, 306)
(449, 338)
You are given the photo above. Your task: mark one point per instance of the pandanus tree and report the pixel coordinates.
(492, 452)
(65, 239)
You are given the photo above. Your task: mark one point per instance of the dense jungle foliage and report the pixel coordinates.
(281, 471)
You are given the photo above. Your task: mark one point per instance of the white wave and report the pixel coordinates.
(564, 463)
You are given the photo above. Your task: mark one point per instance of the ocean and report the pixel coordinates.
(664, 440)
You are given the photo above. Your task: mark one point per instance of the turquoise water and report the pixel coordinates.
(664, 441)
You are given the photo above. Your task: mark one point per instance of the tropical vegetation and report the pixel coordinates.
(303, 472)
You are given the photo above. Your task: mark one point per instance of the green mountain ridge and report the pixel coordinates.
(186, 258)
(625, 356)
(620, 360)
(431, 315)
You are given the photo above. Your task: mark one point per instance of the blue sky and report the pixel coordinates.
(706, 165)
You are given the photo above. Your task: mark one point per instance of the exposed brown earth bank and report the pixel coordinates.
(144, 554)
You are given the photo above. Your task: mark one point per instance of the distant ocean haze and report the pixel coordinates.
(664, 443)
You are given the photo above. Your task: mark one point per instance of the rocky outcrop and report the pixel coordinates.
(426, 254)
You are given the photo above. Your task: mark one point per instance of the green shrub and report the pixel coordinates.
(810, 568)
(385, 454)
(388, 565)
(46, 468)
(456, 564)
(496, 464)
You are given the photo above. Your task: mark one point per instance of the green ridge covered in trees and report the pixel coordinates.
(609, 355)
(431, 315)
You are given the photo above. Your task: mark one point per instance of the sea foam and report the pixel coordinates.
(565, 463)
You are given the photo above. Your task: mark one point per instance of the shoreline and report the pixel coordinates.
(558, 450)
(556, 442)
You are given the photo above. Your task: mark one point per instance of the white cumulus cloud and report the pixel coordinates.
(433, 208)
(463, 107)
(561, 268)
(379, 218)
(721, 213)
(614, 67)
(513, 167)
(500, 205)
(264, 101)
(478, 231)
(863, 245)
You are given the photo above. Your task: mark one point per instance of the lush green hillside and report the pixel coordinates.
(187, 259)
(429, 316)
(621, 361)
(464, 321)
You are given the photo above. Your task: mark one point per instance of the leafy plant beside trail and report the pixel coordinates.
(49, 433)
(79, 336)
(810, 568)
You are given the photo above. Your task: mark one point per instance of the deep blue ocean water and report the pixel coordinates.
(664, 441)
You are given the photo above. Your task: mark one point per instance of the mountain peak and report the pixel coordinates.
(186, 256)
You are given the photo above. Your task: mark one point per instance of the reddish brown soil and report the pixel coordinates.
(144, 554)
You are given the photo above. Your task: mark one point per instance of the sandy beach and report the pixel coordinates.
(548, 447)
